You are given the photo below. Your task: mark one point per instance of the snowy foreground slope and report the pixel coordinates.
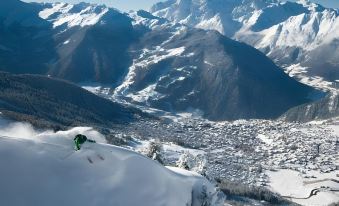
(44, 170)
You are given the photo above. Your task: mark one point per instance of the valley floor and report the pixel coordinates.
(256, 152)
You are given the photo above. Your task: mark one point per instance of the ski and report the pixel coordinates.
(100, 157)
(90, 160)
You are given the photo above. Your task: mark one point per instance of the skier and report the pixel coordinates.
(81, 139)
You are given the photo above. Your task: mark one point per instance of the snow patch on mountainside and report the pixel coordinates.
(214, 23)
(145, 94)
(147, 57)
(300, 73)
(45, 170)
(153, 56)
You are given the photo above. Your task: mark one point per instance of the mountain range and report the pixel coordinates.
(146, 59)
(300, 37)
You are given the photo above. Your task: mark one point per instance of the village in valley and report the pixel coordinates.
(250, 152)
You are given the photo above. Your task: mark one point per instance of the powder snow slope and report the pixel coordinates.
(44, 170)
(299, 36)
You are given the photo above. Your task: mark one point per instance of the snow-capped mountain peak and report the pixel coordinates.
(223, 16)
(81, 14)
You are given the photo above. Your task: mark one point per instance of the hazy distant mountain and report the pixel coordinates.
(149, 61)
(26, 41)
(301, 37)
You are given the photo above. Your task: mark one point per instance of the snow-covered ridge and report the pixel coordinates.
(45, 170)
(223, 16)
(82, 14)
(251, 16)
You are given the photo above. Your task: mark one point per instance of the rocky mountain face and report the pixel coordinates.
(325, 108)
(147, 60)
(299, 36)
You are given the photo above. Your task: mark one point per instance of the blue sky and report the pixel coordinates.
(126, 5)
(328, 3)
